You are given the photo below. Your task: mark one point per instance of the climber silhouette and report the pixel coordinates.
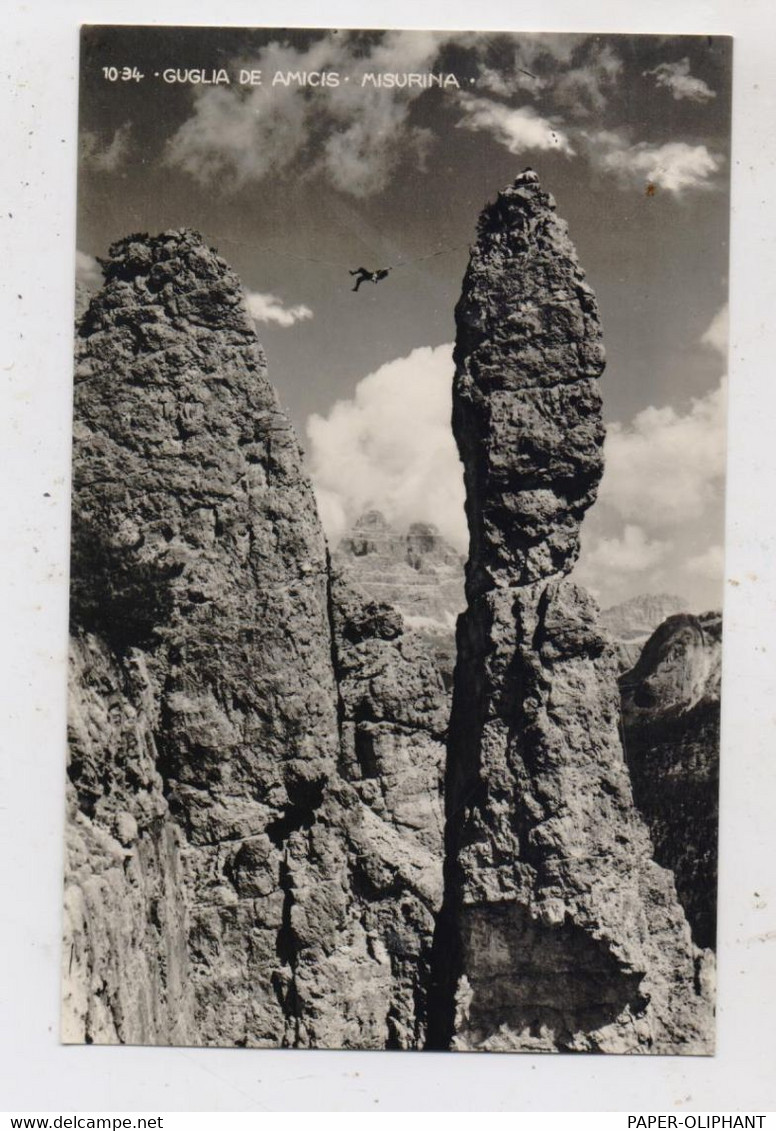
(365, 276)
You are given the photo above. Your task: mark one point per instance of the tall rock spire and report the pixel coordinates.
(197, 549)
(526, 409)
(559, 931)
(254, 847)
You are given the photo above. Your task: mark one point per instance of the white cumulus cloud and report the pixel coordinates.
(716, 335)
(238, 138)
(574, 72)
(666, 466)
(390, 447)
(676, 78)
(88, 270)
(360, 133)
(531, 65)
(518, 130)
(505, 83)
(658, 520)
(632, 552)
(710, 564)
(586, 88)
(105, 158)
(674, 166)
(371, 131)
(269, 308)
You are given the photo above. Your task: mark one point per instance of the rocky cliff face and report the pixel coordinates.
(257, 738)
(394, 714)
(416, 571)
(631, 623)
(213, 835)
(126, 973)
(559, 931)
(670, 719)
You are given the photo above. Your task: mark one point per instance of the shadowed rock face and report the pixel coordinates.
(255, 837)
(198, 561)
(196, 544)
(670, 719)
(394, 713)
(558, 931)
(126, 973)
(528, 352)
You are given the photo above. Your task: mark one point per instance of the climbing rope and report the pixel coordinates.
(277, 251)
(431, 255)
(334, 262)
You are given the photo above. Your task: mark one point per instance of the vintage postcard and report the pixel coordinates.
(397, 540)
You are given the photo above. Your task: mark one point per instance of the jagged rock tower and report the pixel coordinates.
(256, 746)
(559, 931)
(254, 782)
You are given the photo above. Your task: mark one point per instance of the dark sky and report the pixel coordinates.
(296, 184)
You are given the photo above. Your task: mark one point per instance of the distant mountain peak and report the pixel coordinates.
(416, 570)
(639, 616)
(632, 622)
(371, 520)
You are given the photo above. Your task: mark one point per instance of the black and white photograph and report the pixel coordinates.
(397, 540)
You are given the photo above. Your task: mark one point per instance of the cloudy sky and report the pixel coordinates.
(297, 184)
